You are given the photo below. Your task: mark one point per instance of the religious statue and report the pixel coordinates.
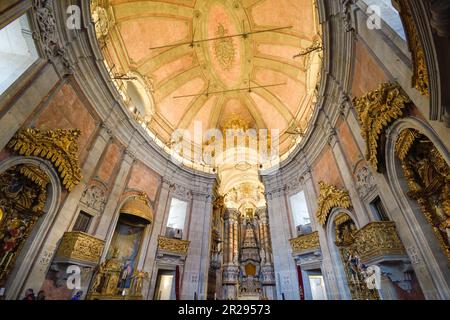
(262, 254)
(138, 279)
(100, 274)
(127, 272)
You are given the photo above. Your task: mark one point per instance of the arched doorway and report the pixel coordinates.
(416, 166)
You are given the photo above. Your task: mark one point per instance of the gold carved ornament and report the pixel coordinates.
(305, 242)
(173, 245)
(139, 206)
(420, 80)
(59, 146)
(376, 111)
(428, 179)
(329, 198)
(80, 246)
(377, 239)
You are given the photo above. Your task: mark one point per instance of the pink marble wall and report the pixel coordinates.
(67, 110)
(144, 179)
(109, 162)
(325, 169)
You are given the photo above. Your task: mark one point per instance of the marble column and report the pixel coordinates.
(360, 210)
(267, 269)
(230, 270)
(280, 233)
(195, 278)
(148, 263)
(107, 224)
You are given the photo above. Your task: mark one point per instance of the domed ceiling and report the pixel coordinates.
(213, 62)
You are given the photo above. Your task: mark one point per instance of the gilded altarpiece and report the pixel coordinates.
(428, 178)
(23, 194)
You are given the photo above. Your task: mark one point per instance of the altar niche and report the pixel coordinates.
(118, 277)
(427, 177)
(23, 197)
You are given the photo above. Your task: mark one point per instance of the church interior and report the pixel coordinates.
(224, 150)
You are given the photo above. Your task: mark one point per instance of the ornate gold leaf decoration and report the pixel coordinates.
(376, 111)
(79, 246)
(173, 245)
(329, 198)
(420, 79)
(377, 239)
(428, 179)
(36, 175)
(139, 206)
(23, 195)
(59, 146)
(305, 242)
(404, 142)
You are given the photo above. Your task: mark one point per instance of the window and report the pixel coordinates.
(388, 14)
(17, 51)
(378, 209)
(177, 214)
(300, 212)
(83, 222)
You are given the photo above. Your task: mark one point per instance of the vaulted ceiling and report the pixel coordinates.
(151, 39)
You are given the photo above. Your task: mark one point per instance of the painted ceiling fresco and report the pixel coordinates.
(197, 81)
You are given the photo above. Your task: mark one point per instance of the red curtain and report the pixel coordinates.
(300, 283)
(177, 283)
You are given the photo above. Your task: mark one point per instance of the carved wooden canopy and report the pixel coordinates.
(329, 198)
(376, 111)
(59, 146)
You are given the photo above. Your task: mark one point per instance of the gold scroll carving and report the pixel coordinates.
(376, 111)
(173, 245)
(420, 79)
(330, 197)
(428, 179)
(59, 146)
(305, 242)
(377, 239)
(79, 246)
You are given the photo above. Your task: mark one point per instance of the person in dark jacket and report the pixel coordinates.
(29, 295)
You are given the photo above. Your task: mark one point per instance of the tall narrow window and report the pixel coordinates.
(388, 14)
(17, 51)
(378, 209)
(300, 213)
(83, 222)
(177, 217)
